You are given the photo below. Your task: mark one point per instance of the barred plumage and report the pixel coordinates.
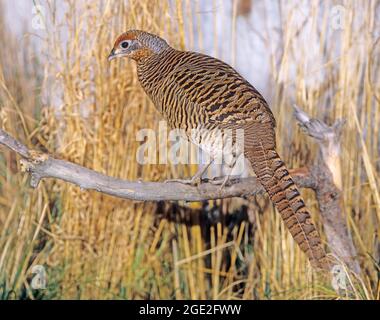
(196, 91)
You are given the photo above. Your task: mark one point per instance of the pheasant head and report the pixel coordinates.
(137, 45)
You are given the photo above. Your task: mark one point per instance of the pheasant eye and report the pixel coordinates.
(124, 44)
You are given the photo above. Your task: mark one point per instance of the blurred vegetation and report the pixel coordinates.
(65, 98)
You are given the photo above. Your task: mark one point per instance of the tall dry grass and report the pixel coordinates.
(97, 247)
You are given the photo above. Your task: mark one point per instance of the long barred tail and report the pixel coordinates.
(275, 178)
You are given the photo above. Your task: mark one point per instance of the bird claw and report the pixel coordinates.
(223, 181)
(191, 182)
(220, 181)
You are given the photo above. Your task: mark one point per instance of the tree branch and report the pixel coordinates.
(41, 166)
(328, 177)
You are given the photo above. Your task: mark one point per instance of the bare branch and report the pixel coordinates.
(42, 166)
(328, 176)
(13, 144)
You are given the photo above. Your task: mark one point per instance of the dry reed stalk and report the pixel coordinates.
(97, 247)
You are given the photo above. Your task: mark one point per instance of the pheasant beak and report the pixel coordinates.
(112, 55)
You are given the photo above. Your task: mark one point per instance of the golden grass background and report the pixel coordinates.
(65, 98)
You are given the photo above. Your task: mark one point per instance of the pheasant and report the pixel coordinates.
(196, 91)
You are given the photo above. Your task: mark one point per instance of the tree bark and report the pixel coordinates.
(328, 178)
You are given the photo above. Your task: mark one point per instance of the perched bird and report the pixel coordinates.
(196, 91)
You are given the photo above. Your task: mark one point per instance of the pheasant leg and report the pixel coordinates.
(196, 179)
(223, 180)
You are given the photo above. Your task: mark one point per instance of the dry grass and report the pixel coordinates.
(98, 247)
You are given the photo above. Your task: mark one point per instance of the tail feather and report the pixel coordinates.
(260, 150)
(274, 176)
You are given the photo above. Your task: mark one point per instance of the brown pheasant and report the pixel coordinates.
(195, 91)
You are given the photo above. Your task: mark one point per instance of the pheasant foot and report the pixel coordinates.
(194, 181)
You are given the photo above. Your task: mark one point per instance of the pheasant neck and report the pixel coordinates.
(151, 72)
